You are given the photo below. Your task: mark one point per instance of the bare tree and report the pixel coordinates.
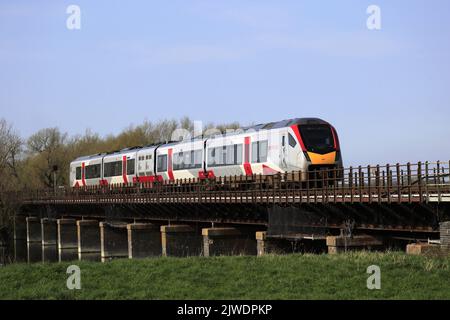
(48, 148)
(10, 149)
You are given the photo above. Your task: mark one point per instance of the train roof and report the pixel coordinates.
(90, 157)
(284, 123)
(278, 125)
(192, 140)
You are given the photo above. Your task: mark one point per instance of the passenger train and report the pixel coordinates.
(301, 144)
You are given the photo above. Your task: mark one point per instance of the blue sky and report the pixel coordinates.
(386, 91)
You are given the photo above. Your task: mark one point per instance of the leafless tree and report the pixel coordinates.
(10, 152)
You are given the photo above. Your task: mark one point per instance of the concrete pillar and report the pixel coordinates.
(49, 234)
(444, 229)
(227, 241)
(20, 239)
(113, 240)
(421, 248)
(180, 241)
(144, 240)
(34, 240)
(339, 244)
(88, 236)
(67, 240)
(267, 245)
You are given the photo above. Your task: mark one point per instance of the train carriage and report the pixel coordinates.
(86, 171)
(180, 160)
(119, 167)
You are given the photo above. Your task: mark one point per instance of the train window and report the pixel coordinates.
(263, 151)
(259, 151)
(229, 154)
(112, 169)
(220, 156)
(317, 138)
(238, 153)
(211, 157)
(198, 159)
(224, 155)
(92, 171)
(255, 151)
(162, 163)
(78, 173)
(130, 166)
(187, 160)
(177, 161)
(234, 154)
(292, 141)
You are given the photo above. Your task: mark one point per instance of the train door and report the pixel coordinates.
(293, 153)
(283, 150)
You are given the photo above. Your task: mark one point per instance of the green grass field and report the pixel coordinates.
(306, 276)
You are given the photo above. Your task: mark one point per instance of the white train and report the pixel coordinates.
(290, 145)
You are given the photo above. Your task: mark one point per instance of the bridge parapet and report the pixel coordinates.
(408, 183)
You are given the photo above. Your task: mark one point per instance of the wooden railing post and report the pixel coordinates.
(399, 183)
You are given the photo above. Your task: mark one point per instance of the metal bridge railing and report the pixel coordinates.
(418, 182)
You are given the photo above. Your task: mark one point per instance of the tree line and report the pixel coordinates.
(30, 163)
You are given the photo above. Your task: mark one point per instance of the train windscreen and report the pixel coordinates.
(317, 138)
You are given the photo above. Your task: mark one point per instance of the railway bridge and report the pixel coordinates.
(354, 207)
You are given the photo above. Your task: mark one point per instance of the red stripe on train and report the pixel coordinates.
(169, 164)
(268, 170)
(298, 136)
(149, 178)
(335, 138)
(83, 181)
(247, 165)
(124, 169)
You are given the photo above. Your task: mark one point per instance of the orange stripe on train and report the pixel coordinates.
(328, 158)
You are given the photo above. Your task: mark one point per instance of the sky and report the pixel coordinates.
(386, 91)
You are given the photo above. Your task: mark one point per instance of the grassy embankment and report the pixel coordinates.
(307, 276)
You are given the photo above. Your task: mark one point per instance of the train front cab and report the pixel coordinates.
(318, 150)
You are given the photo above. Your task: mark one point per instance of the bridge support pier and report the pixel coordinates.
(227, 241)
(266, 245)
(339, 244)
(444, 230)
(88, 237)
(426, 249)
(180, 241)
(49, 231)
(67, 240)
(34, 240)
(20, 239)
(113, 240)
(144, 240)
